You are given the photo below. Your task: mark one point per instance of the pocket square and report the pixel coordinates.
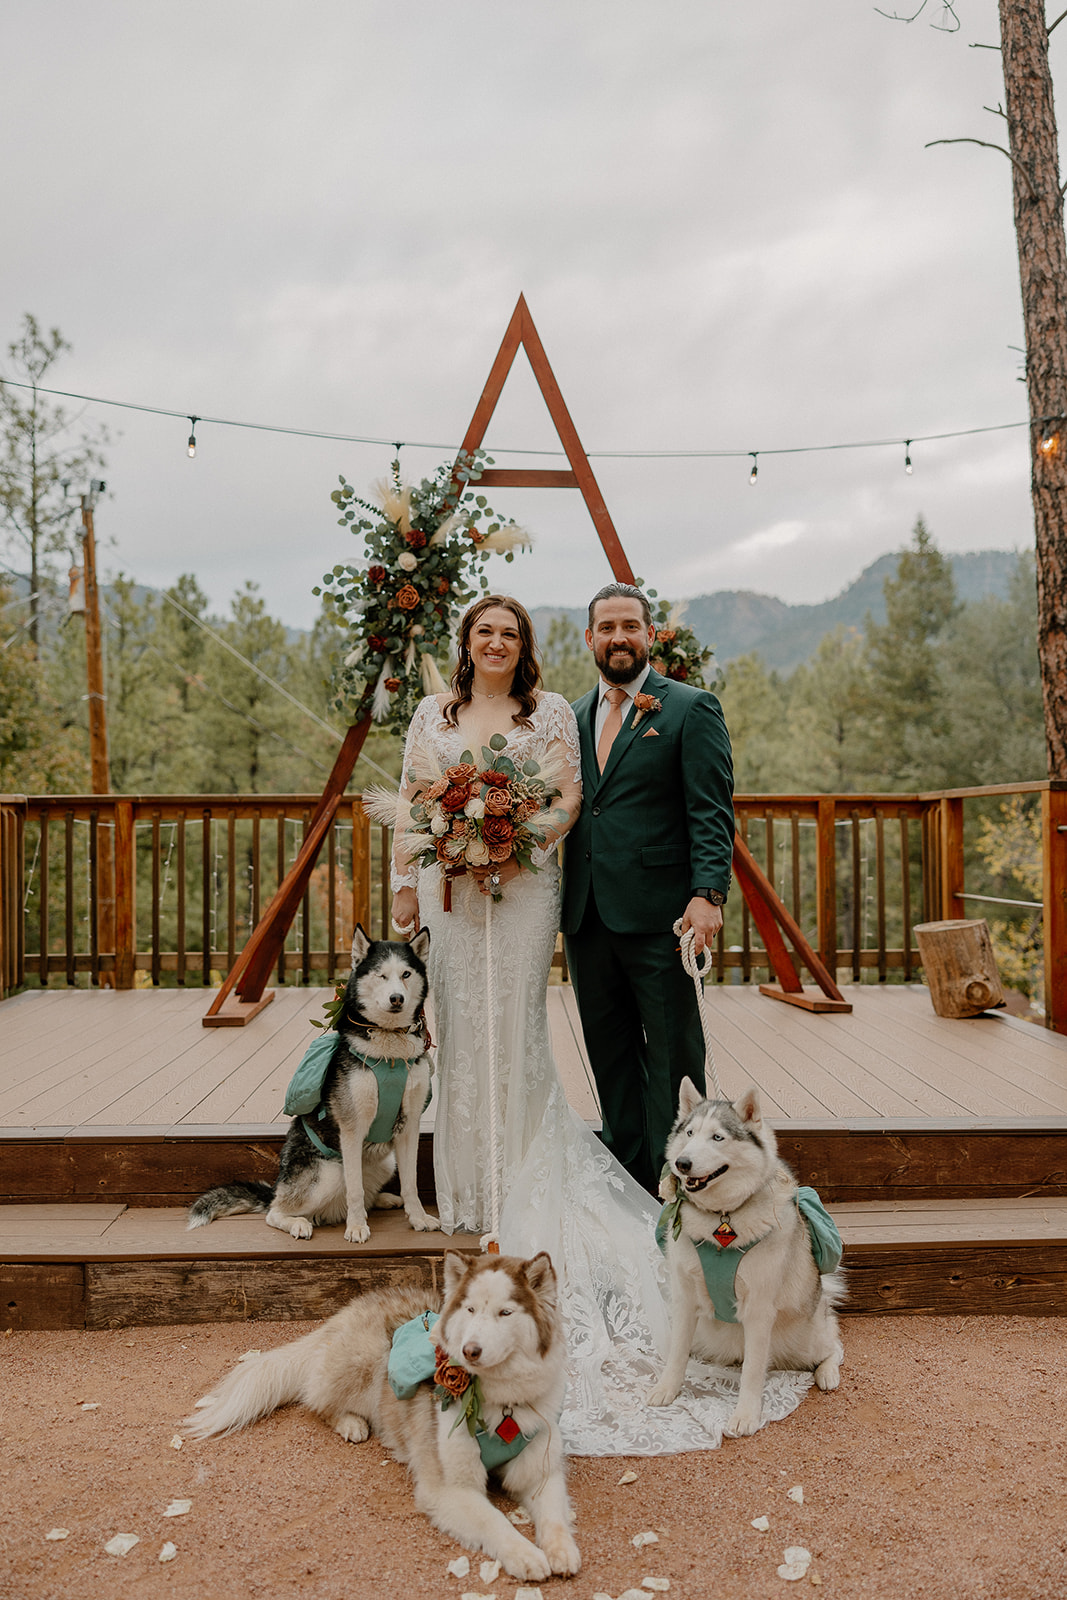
(651, 734)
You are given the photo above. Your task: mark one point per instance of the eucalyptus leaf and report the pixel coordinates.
(531, 768)
(497, 742)
(467, 758)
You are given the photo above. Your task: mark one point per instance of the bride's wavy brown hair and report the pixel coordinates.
(527, 679)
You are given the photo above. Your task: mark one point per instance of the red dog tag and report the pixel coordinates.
(724, 1235)
(508, 1430)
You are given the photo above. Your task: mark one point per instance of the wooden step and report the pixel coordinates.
(846, 1160)
(109, 1265)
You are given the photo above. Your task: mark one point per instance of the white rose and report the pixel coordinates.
(478, 853)
(474, 808)
(408, 561)
(439, 826)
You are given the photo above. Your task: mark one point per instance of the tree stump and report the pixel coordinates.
(959, 966)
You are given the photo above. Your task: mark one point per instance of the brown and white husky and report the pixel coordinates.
(499, 1371)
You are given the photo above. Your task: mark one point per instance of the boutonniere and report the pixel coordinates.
(645, 703)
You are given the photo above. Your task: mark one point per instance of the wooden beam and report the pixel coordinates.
(249, 973)
(1054, 896)
(521, 330)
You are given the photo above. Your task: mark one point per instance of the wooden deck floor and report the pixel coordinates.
(91, 1061)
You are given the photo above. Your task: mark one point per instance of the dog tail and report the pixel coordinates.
(258, 1385)
(229, 1200)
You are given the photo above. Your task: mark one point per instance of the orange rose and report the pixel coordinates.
(500, 852)
(407, 598)
(497, 831)
(455, 797)
(497, 803)
(436, 789)
(463, 773)
(392, 684)
(496, 780)
(454, 1380)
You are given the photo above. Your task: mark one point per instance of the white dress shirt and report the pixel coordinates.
(604, 704)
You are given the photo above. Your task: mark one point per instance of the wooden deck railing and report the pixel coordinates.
(98, 888)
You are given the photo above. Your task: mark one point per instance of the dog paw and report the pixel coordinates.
(664, 1394)
(422, 1223)
(745, 1420)
(300, 1228)
(352, 1428)
(828, 1373)
(561, 1550)
(525, 1560)
(385, 1201)
(357, 1232)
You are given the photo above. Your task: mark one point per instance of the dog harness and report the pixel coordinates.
(720, 1263)
(412, 1362)
(303, 1098)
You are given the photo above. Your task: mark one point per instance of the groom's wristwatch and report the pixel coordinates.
(716, 896)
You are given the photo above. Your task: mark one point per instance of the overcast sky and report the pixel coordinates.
(318, 214)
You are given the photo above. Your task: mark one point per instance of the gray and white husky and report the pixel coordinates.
(499, 1325)
(730, 1195)
(382, 1017)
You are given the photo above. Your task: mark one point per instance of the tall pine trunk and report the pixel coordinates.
(1043, 275)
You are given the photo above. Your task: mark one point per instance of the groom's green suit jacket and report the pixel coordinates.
(659, 821)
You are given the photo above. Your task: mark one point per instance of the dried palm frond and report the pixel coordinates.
(432, 681)
(395, 502)
(381, 804)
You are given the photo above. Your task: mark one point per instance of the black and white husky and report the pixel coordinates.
(741, 1256)
(477, 1391)
(382, 1019)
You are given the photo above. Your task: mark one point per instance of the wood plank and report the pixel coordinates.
(754, 1050)
(161, 1293)
(968, 1281)
(42, 1295)
(946, 1092)
(1010, 1085)
(806, 1064)
(24, 1220)
(984, 1037)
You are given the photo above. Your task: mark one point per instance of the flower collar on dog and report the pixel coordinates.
(413, 1359)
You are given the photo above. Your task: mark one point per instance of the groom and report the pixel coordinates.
(653, 842)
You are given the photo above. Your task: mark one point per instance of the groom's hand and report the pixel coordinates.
(704, 919)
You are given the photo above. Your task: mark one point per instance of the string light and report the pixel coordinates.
(1049, 444)
(907, 457)
(754, 474)
(599, 455)
(191, 447)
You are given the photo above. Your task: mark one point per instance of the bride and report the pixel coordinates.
(504, 1127)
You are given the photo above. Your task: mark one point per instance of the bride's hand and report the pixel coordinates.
(405, 911)
(505, 871)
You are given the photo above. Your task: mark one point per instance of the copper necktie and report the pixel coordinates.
(612, 724)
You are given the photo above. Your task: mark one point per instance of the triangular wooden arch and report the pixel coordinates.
(521, 331)
(244, 993)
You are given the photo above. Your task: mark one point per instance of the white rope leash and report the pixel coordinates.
(697, 967)
(488, 1240)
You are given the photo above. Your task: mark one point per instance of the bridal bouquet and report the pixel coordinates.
(472, 815)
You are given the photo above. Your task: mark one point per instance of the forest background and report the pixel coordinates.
(939, 692)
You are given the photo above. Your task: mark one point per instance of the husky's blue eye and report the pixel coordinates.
(505, 1311)
(718, 1137)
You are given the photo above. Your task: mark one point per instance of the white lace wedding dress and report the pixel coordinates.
(559, 1188)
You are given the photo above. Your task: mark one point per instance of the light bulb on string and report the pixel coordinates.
(907, 457)
(191, 446)
(754, 474)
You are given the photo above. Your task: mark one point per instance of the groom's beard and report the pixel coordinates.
(621, 663)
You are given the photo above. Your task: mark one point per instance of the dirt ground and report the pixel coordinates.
(937, 1470)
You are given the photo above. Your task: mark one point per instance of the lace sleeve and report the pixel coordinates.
(405, 872)
(563, 750)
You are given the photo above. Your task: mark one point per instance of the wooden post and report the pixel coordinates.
(826, 883)
(125, 920)
(100, 776)
(951, 839)
(1054, 840)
